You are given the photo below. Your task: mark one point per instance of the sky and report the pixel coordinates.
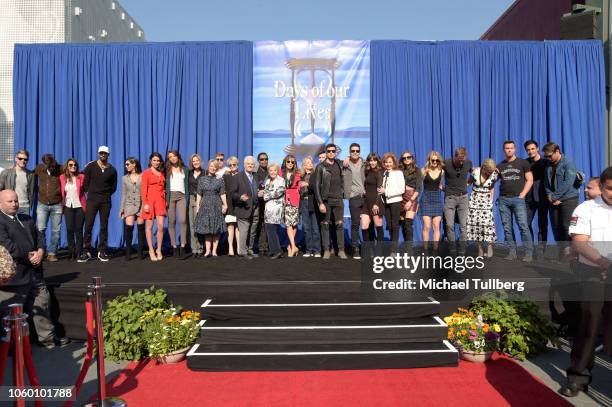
(214, 20)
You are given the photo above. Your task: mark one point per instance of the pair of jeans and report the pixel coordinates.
(272, 235)
(310, 226)
(334, 212)
(24, 210)
(542, 209)
(510, 207)
(456, 205)
(44, 213)
(75, 218)
(102, 205)
(355, 208)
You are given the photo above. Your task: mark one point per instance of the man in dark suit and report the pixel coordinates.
(27, 287)
(245, 203)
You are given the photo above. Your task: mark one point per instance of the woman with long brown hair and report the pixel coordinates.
(131, 205)
(410, 203)
(154, 203)
(291, 175)
(177, 196)
(73, 206)
(373, 207)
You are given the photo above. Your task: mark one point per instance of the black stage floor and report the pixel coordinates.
(234, 280)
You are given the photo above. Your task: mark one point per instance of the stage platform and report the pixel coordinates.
(288, 314)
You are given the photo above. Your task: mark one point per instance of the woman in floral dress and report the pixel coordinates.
(480, 223)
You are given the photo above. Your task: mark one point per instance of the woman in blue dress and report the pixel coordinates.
(212, 205)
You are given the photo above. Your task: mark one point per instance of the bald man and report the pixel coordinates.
(27, 287)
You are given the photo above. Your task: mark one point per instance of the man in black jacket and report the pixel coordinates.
(100, 183)
(246, 207)
(329, 194)
(27, 287)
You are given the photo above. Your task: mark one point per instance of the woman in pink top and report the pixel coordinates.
(291, 174)
(73, 206)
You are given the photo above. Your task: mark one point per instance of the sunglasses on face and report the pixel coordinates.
(435, 161)
(355, 151)
(219, 159)
(233, 165)
(22, 159)
(263, 159)
(407, 157)
(290, 162)
(331, 151)
(72, 165)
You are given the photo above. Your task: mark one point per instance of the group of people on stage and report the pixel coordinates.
(206, 199)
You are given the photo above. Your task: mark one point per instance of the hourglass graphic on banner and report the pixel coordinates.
(313, 105)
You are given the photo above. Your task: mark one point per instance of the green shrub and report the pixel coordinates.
(123, 327)
(525, 330)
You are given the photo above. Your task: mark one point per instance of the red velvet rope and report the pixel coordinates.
(29, 364)
(4, 350)
(88, 354)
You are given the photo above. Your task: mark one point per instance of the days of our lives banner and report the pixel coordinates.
(310, 93)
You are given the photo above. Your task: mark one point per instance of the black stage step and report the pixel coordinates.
(424, 329)
(321, 311)
(320, 357)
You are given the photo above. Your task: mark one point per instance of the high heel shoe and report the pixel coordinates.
(289, 251)
(159, 254)
(296, 252)
(152, 255)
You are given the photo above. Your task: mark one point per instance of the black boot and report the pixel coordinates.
(128, 236)
(380, 234)
(142, 241)
(176, 252)
(407, 230)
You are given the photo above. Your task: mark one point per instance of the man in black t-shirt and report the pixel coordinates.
(536, 200)
(516, 181)
(456, 171)
(100, 183)
(329, 194)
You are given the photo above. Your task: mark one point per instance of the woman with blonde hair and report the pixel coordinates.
(431, 205)
(229, 178)
(273, 195)
(480, 223)
(212, 205)
(310, 225)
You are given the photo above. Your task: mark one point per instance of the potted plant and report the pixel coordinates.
(475, 339)
(169, 333)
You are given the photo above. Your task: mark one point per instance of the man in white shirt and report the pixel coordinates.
(591, 232)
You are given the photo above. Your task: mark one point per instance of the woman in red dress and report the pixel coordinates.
(154, 203)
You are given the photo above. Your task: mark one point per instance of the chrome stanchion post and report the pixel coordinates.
(103, 401)
(19, 321)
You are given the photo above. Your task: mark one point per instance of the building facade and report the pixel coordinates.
(53, 21)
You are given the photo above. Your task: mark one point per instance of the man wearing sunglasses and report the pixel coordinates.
(221, 168)
(100, 183)
(20, 180)
(562, 191)
(456, 171)
(329, 193)
(354, 176)
(260, 230)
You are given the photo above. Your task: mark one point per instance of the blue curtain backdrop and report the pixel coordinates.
(440, 95)
(135, 98)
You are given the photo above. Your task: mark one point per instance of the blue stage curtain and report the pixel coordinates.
(441, 95)
(135, 98)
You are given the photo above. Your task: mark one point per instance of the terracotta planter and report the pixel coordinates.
(173, 357)
(476, 357)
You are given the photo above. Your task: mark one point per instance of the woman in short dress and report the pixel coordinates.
(131, 203)
(373, 207)
(410, 200)
(154, 203)
(212, 204)
(291, 175)
(273, 195)
(229, 178)
(480, 223)
(432, 207)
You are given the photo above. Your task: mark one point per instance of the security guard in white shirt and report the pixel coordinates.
(591, 231)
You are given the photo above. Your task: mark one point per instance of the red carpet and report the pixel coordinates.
(497, 383)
